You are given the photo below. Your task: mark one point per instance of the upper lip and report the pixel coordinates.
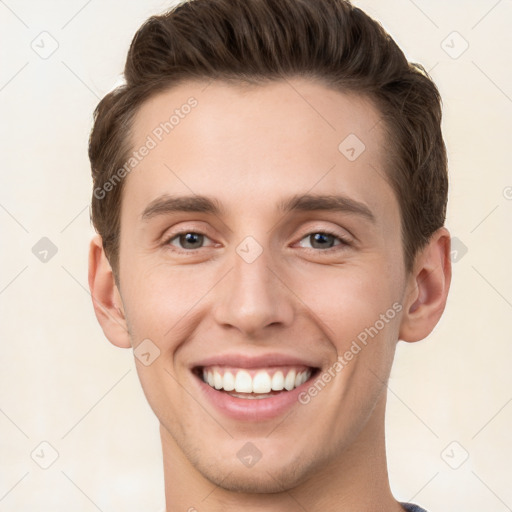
(258, 361)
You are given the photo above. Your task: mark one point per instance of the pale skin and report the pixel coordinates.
(250, 148)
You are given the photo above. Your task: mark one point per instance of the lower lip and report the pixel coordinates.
(248, 409)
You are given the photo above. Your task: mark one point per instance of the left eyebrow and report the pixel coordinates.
(335, 203)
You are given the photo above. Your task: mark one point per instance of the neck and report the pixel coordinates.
(356, 480)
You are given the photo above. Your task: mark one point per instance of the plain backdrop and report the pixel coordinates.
(64, 385)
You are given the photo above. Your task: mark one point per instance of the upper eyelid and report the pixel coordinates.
(328, 231)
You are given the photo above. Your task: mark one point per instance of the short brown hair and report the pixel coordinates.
(255, 41)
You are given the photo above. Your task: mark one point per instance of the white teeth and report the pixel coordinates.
(289, 381)
(278, 381)
(301, 378)
(217, 380)
(243, 382)
(229, 381)
(262, 383)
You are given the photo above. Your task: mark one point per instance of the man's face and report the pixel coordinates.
(257, 291)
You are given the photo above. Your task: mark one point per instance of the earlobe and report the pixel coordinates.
(428, 288)
(106, 299)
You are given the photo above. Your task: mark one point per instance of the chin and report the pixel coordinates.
(266, 479)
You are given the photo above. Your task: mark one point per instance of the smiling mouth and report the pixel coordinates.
(255, 383)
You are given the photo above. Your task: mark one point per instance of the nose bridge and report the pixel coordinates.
(252, 297)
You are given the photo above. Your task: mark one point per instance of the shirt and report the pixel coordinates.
(411, 507)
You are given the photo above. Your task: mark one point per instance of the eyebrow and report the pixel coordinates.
(166, 204)
(335, 203)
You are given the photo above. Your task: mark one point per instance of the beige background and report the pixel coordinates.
(61, 382)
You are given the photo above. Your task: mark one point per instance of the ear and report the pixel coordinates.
(106, 298)
(427, 288)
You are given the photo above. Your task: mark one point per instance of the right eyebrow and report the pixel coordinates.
(165, 204)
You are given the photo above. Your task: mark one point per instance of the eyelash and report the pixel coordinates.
(344, 241)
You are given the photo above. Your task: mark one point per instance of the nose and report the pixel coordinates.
(253, 297)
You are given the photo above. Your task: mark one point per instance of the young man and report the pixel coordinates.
(270, 190)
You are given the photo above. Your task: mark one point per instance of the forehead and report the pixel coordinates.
(256, 144)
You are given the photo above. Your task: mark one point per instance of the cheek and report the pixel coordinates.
(163, 303)
(348, 300)
(360, 317)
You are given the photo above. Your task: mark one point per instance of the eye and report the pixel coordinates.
(188, 240)
(324, 240)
